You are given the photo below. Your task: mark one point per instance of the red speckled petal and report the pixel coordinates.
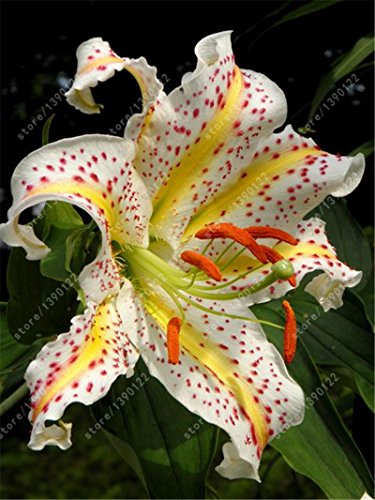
(94, 173)
(312, 253)
(286, 177)
(97, 63)
(78, 366)
(228, 372)
(203, 133)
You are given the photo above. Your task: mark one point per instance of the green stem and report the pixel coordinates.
(264, 283)
(10, 401)
(235, 256)
(228, 283)
(224, 315)
(155, 266)
(226, 249)
(152, 258)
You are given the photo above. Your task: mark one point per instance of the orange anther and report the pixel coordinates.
(290, 333)
(226, 230)
(203, 263)
(173, 344)
(274, 256)
(271, 232)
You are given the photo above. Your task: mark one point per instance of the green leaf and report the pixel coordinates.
(38, 306)
(53, 265)
(10, 349)
(347, 236)
(309, 8)
(71, 250)
(82, 246)
(14, 357)
(341, 337)
(174, 447)
(46, 128)
(343, 65)
(306, 9)
(56, 213)
(127, 453)
(321, 448)
(367, 296)
(73, 244)
(366, 148)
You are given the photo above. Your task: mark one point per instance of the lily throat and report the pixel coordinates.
(207, 281)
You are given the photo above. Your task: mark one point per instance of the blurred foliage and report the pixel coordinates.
(90, 469)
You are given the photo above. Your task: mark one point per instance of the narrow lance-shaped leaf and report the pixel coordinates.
(46, 129)
(345, 64)
(305, 10)
(341, 337)
(46, 310)
(367, 148)
(11, 350)
(321, 447)
(173, 446)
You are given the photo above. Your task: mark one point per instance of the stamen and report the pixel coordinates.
(173, 343)
(225, 230)
(274, 256)
(290, 333)
(203, 263)
(271, 232)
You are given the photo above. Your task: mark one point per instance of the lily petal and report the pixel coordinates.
(203, 132)
(313, 252)
(78, 366)
(228, 372)
(97, 63)
(53, 435)
(232, 466)
(284, 179)
(95, 173)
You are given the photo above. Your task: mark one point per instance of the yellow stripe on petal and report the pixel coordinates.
(99, 62)
(94, 196)
(80, 361)
(304, 249)
(247, 186)
(110, 59)
(245, 263)
(212, 358)
(186, 171)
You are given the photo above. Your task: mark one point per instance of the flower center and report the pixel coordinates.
(148, 272)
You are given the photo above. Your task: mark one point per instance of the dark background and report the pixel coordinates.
(39, 40)
(38, 43)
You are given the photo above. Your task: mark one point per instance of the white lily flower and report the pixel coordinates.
(199, 165)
